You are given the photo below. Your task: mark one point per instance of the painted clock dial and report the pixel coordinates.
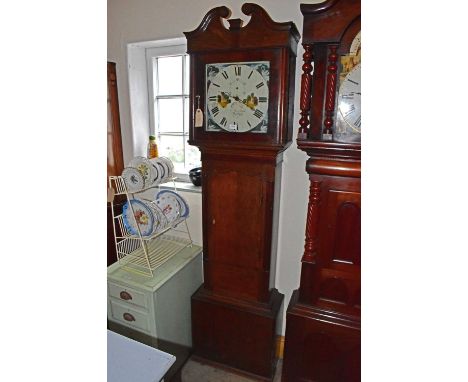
(348, 119)
(237, 97)
(349, 99)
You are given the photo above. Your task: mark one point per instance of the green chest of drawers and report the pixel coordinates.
(158, 306)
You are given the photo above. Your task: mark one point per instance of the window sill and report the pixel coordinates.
(181, 186)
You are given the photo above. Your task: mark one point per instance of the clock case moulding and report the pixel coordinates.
(235, 312)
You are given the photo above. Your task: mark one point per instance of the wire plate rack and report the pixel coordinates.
(144, 254)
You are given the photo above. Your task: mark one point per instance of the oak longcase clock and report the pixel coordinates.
(323, 321)
(242, 94)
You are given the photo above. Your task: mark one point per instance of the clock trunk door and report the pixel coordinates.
(235, 232)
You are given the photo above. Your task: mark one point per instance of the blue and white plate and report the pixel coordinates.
(142, 218)
(160, 220)
(184, 208)
(169, 205)
(133, 179)
(157, 171)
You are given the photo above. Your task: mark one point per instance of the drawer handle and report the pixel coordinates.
(125, 295)
(128, 317)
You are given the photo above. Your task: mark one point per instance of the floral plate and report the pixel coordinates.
(142, 218)
(146, 169)
(169, 205)
(184, 208)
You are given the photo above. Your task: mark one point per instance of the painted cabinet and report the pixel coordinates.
(158, 306)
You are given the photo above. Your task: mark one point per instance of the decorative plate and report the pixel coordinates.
(169, 165)
(169, 205)
(163, 171)
(184, 208)
(157, 171)
(143, 217)
(133, 179)
(160, 220)
(146, 169)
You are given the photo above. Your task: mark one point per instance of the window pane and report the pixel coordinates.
(173, 148)
(170, 115)
(192, 155)
(169, 75)
(186, 115)
(187, 74)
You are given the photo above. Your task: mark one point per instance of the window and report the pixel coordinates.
(168, 69)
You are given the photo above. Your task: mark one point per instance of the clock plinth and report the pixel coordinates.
(323, 320)
(243, 78)
(238, 334)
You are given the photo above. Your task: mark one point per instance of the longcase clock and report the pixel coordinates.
(323, 321)
(242, 94)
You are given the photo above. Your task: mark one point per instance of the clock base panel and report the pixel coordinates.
(321, 345)
(238, 334)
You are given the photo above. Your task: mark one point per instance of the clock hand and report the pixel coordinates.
(236, 98)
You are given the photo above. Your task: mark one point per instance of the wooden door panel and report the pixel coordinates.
(347, 248)
(341, 229)
(235, 218)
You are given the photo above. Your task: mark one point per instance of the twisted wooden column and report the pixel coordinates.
(306, 80)
(330, 93)
(310, 247)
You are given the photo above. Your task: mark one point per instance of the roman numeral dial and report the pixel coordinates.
(237, 97)
(349, 99)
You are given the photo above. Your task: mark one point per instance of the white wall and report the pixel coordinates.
(147, 20)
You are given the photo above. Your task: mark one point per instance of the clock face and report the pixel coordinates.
(349, 99)
(237, 97)
(348, 116)
(356, 45)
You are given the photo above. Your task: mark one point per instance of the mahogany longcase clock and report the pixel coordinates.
(242, 84)
(323, 320)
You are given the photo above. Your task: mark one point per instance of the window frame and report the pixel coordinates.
(152, 53)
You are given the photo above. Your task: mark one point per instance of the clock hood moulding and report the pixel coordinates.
(221, 55)
(212, 29)
(329, 19)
